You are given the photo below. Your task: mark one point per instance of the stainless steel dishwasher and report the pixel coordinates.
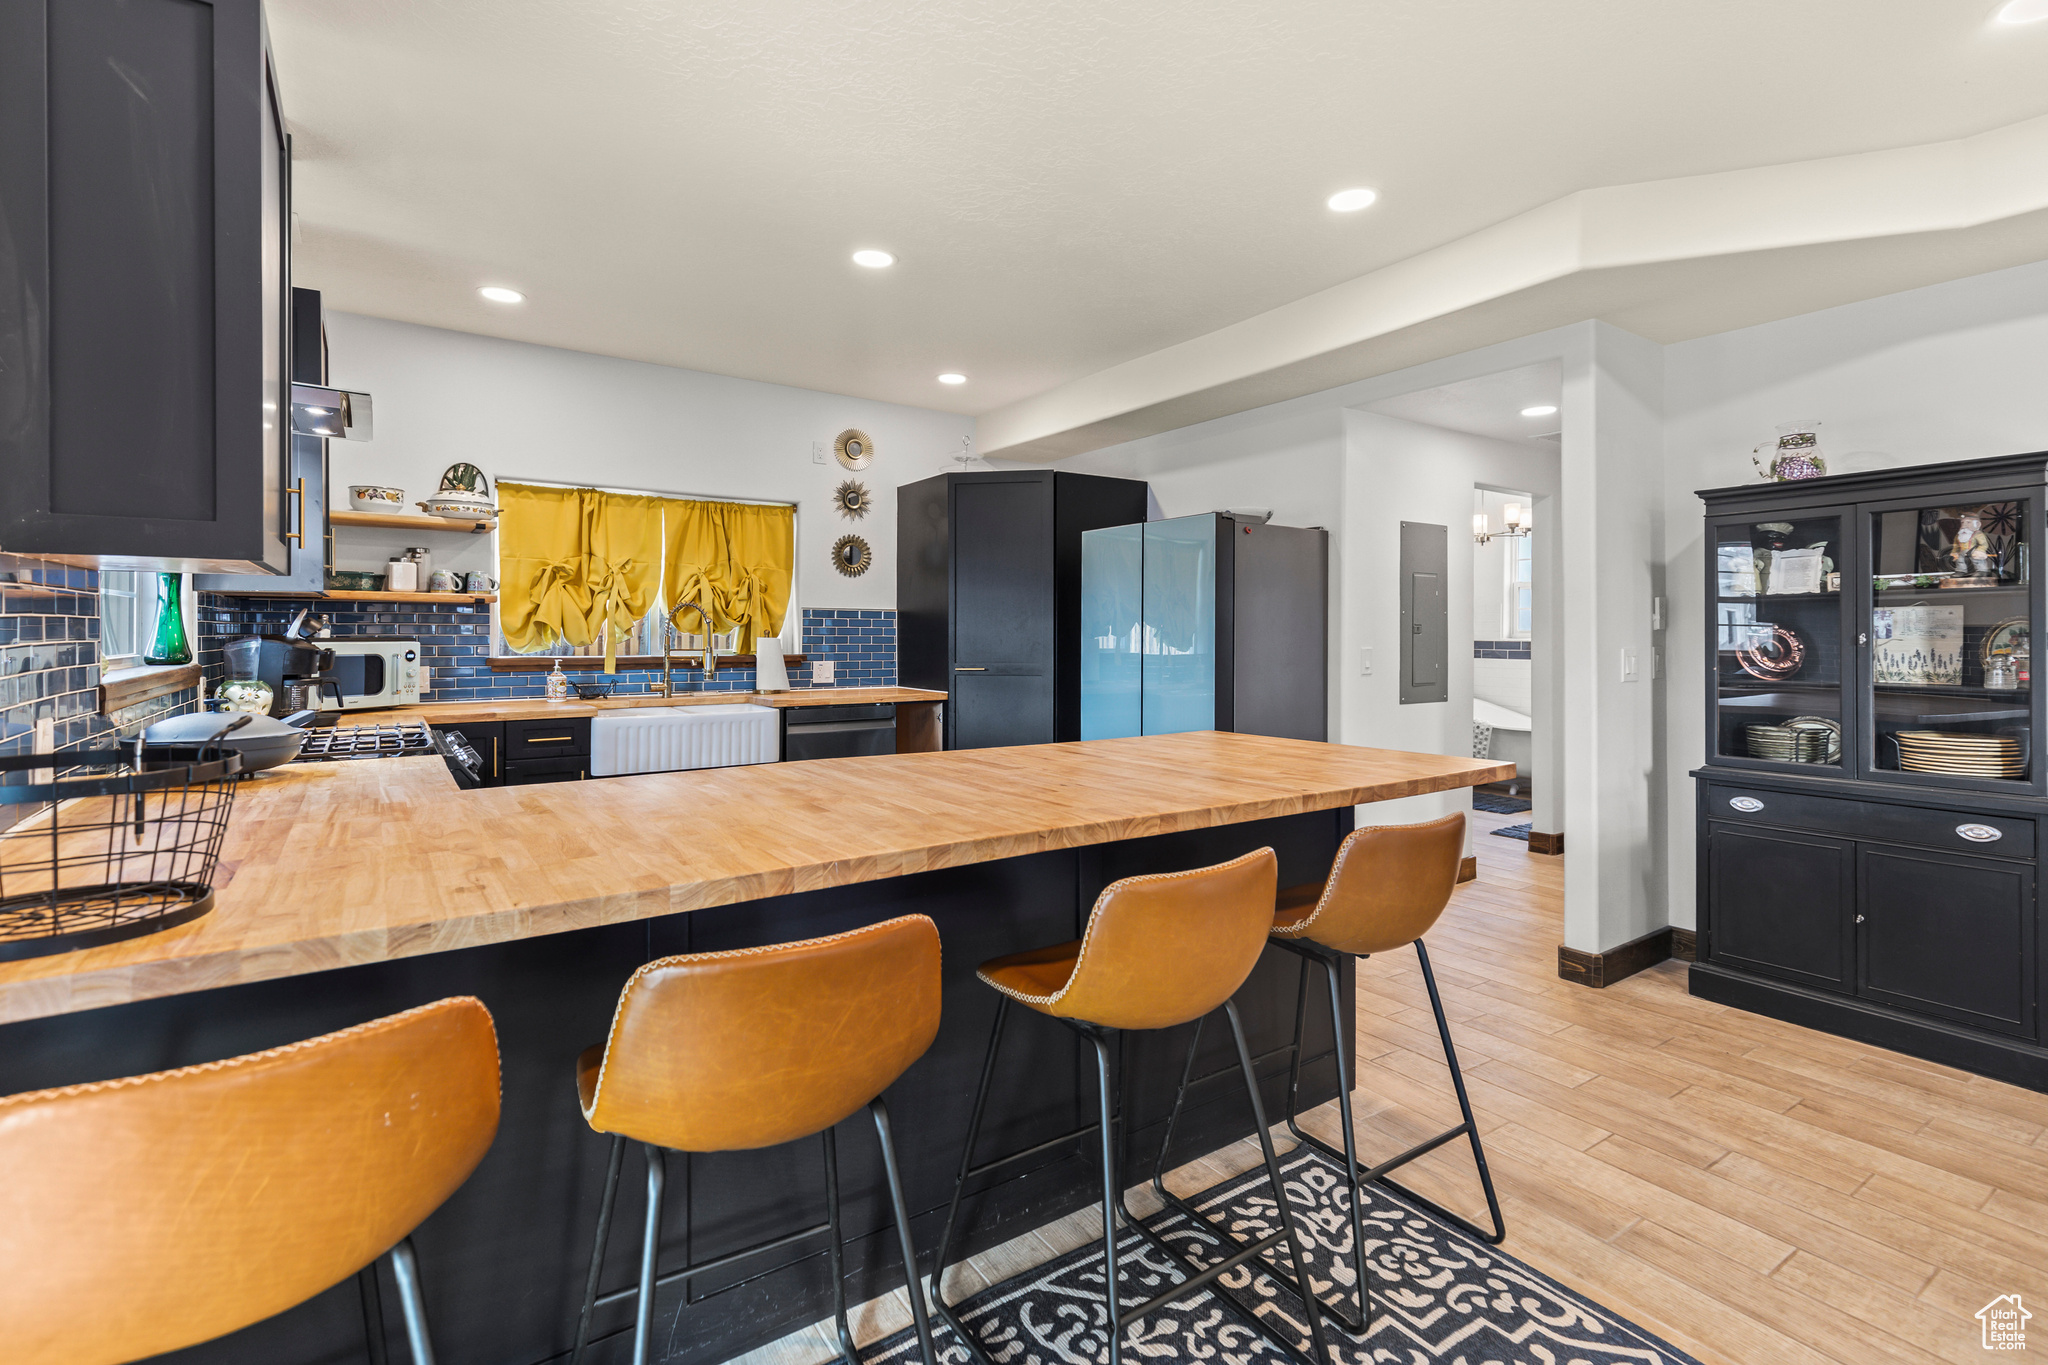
(838, 731)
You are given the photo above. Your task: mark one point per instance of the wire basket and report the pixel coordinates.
(127, 845)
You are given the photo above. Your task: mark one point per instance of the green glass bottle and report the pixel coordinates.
(170, 645)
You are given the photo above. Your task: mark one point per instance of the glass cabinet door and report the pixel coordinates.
(1951, 641)
(1778, 629)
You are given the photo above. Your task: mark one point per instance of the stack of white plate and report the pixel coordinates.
(1802, 739)
(1787, 745)
(1961, 755)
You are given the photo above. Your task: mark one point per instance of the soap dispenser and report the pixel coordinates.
(558, 684)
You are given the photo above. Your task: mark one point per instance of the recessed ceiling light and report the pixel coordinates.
(952, 379)
(873, 260)
(1540, 410)
(1351, 201)
(2024, 12)
(497, 293)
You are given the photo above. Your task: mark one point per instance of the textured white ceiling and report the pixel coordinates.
(1488, 404)
(1067, 184)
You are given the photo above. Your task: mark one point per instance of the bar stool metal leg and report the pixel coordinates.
(943, 1261)
(650, 1244)
(405, 1266)
(604, 1228)
(1241, 1251)
(1111, 1200)
(901, 1210)
(838, 1249)
(1468, 1128)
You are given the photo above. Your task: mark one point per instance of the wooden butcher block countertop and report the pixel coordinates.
(333, 864)
(538, 708)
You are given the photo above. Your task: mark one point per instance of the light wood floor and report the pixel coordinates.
(1757, 1193)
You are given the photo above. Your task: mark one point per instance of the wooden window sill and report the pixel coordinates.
(124, 687)
(586, 663)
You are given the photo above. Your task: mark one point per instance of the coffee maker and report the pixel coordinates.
(297, 669)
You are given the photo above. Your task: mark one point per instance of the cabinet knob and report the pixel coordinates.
(1981, 834)
(1748, 805)
(1859, 919)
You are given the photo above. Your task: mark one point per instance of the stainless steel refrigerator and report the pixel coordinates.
(1205, 623)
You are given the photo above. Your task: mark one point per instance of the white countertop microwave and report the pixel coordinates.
(372, 670)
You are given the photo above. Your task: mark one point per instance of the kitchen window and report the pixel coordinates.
(587, 572)
(125, 619)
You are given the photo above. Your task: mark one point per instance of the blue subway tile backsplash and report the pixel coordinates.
(1500, 649)
(456, 643)
(50, 664)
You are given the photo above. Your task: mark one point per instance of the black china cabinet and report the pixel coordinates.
(1868, 807)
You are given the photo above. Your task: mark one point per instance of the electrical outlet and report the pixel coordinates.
(1628, 665)
(1365, 661)
(818, 449)
(822, 670)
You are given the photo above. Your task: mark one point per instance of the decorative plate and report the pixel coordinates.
(854, 449)
(2010, 636)
(851, 556)
(852, 499)
(1776, 659)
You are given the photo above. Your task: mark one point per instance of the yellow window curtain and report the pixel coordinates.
(734, 559)
(544, 590)
(624, 536)
(693, 547)
(760, 559)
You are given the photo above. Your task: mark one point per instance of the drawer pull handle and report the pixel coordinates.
(1748, 805)
(1980, 834)
(551, 739)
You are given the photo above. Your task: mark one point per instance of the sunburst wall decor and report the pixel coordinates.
(851, 556)
(852, 499)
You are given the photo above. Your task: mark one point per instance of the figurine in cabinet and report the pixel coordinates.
(1972, 555)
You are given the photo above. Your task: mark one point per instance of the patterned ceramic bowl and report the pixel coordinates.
(369, 497)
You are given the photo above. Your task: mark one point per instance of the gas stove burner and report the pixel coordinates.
(400, 738)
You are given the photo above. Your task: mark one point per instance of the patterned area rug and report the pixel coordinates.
(1439, 1297)
(1520, 831)
(1498, 804)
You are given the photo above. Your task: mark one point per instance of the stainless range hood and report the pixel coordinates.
(334, 413)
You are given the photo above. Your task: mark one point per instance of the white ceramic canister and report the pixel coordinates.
(401, 575)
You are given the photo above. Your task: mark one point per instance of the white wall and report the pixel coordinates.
(521, 411)
(1954, 371)
(1398, 471)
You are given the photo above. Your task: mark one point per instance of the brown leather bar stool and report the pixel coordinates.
(1387, 886)
(731, 1051)
(155, 1212)
(1159, 951)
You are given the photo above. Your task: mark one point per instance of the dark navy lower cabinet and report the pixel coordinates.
(1784, 904)
(1948, 937)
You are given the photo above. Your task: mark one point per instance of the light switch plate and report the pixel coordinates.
(822, 670)
(1365, 661)
(818, 452)
(1628, 665)
(1656, 613)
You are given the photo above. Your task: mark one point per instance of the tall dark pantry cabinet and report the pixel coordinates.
(988, 596)
(1870, 805)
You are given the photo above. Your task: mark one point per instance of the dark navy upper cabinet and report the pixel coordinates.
(988, 596)
(145, 313)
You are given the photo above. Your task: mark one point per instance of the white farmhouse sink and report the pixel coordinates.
(664, 739)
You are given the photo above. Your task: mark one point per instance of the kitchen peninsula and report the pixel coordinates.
(358, 889)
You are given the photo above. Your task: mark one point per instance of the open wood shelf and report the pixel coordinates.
(400, 521)
(344, 595)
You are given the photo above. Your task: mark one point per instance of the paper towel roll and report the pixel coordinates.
(770, 672)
